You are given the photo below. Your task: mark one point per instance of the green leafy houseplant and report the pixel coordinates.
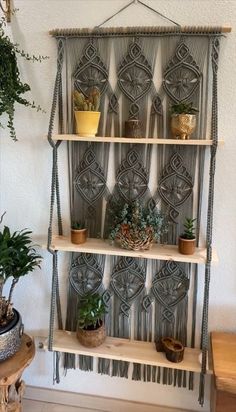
(11, 86)
(136, 227)
(183, 108)
(90, 103)
(91, 311)
(18, 257)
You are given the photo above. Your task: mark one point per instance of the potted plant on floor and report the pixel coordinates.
(183, 120)
(91, 329)
(79, 233)
(187, 241)
(18, 257)
(136, 227)
(86, 111)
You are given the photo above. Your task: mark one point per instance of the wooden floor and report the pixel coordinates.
(35, 406)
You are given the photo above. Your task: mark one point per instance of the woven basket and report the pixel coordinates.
(135, 240)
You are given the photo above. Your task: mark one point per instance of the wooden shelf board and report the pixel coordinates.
(104, 247)
(125, 350)
(189, 142)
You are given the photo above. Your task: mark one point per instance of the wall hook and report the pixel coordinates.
(7, 9)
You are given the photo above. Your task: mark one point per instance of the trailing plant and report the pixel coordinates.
(77, 225)
(90, 103)
(134, 225)
(91, 311)
(18, 257)
(11, 86)
(183, 108)
(189, 232)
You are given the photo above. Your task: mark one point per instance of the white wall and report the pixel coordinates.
(26, 167)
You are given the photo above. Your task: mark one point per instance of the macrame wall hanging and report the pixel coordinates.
(140, 72)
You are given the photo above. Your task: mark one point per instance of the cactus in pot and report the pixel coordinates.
(86, 112)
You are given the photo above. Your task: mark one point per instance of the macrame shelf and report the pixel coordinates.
(154, 293)
(103, 247)
(105, 139)
(126, 350)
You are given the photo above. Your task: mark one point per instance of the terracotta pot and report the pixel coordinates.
(79, 236)
(187, 246)
(92, 338)
(183, 125)
(87, 123)
(133, 128)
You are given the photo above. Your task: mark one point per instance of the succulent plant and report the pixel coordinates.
(91, 310)
(77, 225)
(183, 108)
(189, 229)
(90, 103)
(135, 226)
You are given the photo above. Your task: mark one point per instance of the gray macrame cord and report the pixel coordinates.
(142, 86)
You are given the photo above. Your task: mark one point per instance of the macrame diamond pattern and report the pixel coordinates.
(175, 185)
(170, 286)
(132, 178)
(127, 282)
(90, 181)
(134, 76)
(182, 75)
(91, 71)
(85, 274)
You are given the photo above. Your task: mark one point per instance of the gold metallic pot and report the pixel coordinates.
(79, 236)
(183, 125)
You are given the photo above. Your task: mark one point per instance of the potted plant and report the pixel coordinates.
(90, 328)
(79, 233)
(183, 120)
(86, 111)
(17, 258)
(187, 241)
(11, 86)
(136, 227)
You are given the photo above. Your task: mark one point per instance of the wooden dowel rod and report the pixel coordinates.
(151, 30)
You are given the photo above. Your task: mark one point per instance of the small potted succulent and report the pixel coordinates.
(86, 111)
(79, 233)
(18, 257)
(187, 241)
(183, 120)
(136, 227)
(90, 328)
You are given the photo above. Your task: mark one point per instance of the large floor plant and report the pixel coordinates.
(18, 257)
(11, 86)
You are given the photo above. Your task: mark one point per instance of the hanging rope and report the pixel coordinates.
(214, 135)
(55, 296)
(135, 2)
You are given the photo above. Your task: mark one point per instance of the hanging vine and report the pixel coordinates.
(11, 86)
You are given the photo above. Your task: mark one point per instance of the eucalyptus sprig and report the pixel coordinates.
(11, 86)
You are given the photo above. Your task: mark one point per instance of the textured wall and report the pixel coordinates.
(25, 169)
